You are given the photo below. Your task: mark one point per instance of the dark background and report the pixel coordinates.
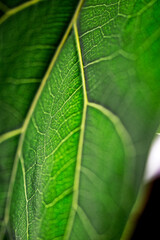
(148, 226)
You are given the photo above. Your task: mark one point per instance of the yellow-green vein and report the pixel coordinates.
(10, 134)
(80, 146)
(25, 191)
(60, 197)
(19, 8)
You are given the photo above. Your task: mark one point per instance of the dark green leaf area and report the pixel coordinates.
(12, 4)
(7, 150)
(28, 40)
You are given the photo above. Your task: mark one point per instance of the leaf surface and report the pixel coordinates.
(81, 156)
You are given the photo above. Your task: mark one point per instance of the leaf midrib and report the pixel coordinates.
(80, 145)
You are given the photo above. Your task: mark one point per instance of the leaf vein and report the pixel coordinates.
(60, 197)
(17, 9)
(80, 146)
(4, 137)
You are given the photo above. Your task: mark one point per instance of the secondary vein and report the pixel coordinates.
(19, 8)
(10, 134)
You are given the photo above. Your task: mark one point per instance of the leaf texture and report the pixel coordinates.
(81, 155)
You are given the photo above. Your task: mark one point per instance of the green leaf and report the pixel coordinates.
(82, 150)
(28, 40)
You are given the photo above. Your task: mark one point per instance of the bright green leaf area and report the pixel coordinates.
(83, 146)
